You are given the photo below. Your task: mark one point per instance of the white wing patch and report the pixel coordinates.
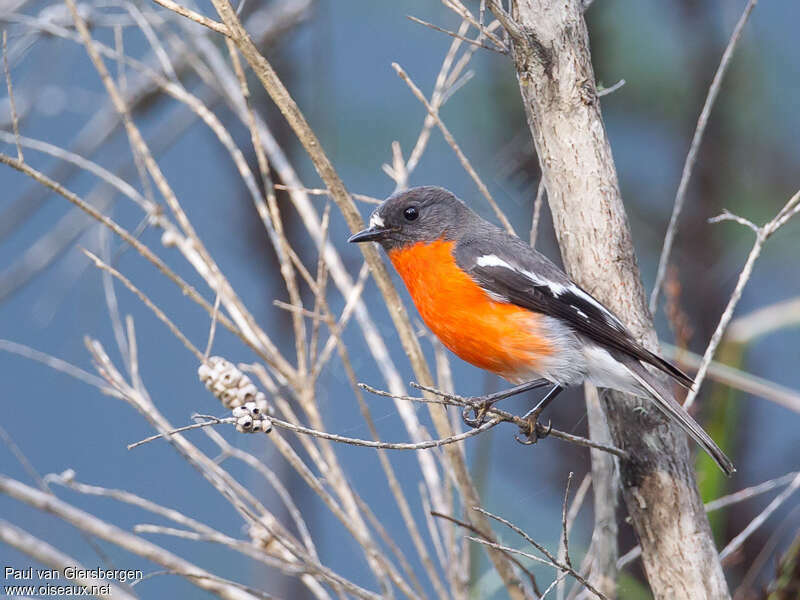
(610, 319)
(492, 260)
(558, 289)
(375, 220)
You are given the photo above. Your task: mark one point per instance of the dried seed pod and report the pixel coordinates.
(227, 382)
(237, 392)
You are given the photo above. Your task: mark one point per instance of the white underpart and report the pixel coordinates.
(565, 365)
(558, 289)
(576, 360)
(603, 370)
(375, 221)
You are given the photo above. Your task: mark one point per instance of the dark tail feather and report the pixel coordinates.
(669, 369)
(665, 401)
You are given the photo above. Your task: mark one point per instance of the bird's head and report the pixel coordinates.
(417, 215)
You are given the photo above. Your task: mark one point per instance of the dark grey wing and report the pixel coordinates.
(510, 270)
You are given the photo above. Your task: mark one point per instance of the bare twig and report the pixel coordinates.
(324, 192)
(765, 320)
(508, 552)
(433, 111)
(149, 303)
(196, 17)
(281, 424)
(610, 90)
(56, 364)
(553, 560)
(568, 520)
(736, 378)
(763, 233)
(504, 416)
(691, 157)
(502, 50)
(458, 7)
(210, 420)
(537, 210)
(752, 491)
(564, 532)
(736, 542)
(11, 103)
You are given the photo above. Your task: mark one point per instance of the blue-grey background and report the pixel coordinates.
(337, 66)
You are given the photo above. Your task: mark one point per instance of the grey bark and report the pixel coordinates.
(550, 48)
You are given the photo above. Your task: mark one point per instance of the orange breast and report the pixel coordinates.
(499, 337)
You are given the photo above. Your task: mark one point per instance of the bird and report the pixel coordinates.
(502, 306)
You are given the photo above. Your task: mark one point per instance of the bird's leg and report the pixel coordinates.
(534, 431)
(482, 404)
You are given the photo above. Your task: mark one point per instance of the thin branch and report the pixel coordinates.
(434, 112)
(324, 192)
(537, 210)
(148, 303)
(736, 378)
(56, 364)
(281, 424)
(765, 320)
(610, 90)
(448, 80)
(736, 542)
(763, 233)
(727, 215)
(475, 402)
(501, 50)
(553, 560)
(750, 492)
(213, 329)
(11, 103)
(458, 7)
(564, 532)
(196, 17)
(568, 520)
(211, 420)
(508, 552)
(691, 157)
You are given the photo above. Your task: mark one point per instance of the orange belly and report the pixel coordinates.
(497, 336)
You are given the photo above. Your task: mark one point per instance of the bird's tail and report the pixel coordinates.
(667, 404)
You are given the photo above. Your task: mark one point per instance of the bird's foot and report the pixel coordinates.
(478, 412)
(533, 431)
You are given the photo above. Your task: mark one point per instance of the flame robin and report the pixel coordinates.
(502, 306)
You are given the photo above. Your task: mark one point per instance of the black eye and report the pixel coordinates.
(411, 213)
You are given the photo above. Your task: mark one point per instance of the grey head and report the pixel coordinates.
(420, 214)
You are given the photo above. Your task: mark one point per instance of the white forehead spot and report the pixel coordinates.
(375, 220)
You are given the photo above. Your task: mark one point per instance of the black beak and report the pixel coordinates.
(373, 234)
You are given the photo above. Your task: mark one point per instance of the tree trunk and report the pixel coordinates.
(550, 48)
